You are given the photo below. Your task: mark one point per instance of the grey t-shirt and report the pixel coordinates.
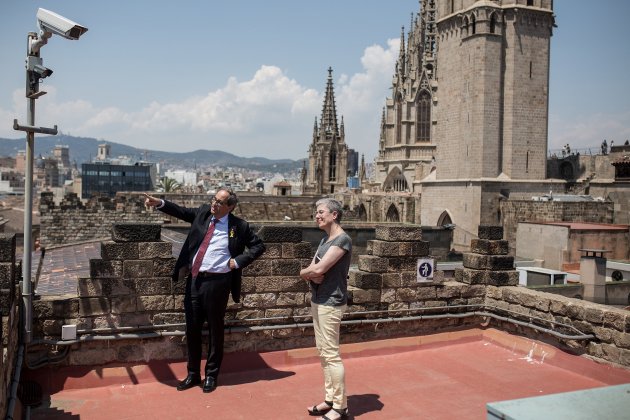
(333, 291)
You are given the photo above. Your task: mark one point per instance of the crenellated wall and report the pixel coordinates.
(129, 310)
(72, 221)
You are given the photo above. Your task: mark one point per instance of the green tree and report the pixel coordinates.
(168, 185)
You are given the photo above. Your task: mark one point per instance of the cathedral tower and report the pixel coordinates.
(328, 152)
(469, 94)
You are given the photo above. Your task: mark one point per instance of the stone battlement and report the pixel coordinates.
(129, 309)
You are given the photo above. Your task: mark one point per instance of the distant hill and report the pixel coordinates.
(84, 149)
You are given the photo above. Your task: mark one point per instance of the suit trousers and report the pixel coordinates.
(206, 299)
(326, 323)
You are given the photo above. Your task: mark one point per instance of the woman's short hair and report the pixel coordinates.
(332, 206)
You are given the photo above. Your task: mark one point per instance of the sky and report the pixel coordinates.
(248, 76)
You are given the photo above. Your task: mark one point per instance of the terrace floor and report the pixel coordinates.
(442, 376)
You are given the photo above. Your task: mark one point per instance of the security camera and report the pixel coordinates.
(35, 65)
(56, 24)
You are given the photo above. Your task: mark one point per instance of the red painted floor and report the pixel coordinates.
(444, 376)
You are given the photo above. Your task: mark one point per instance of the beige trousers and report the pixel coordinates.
(326, 322)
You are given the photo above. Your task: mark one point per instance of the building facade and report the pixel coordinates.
(466, 125)
(102, 178)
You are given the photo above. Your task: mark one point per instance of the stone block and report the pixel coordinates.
(502, 278)
(118, 287)
(490, 232)
(365, 280)
(488, 262)
(151, 250)
(358, 296)
(415, 249)
(372, 264)
(260, 267)
(269, 284)
(7, 248)
(396, 233)
(290, 299)
(89, 287)
(426, 293)
(136, 232)
(259, 300)
(7, 275)
(270, 234)
(102, 268)
(406, 294)
(493, 278)
(153, 286)
(489, 247)
(55, 308)
(163, 267)
(5, 302)
(179, 287)
(91, 306)
(394, 280)
(111, 250)
(388, 295)
(398, 264)
(399, 249)
(285, 267)
(123, 304)
(297, 250)
(384, 248)
(156, 303)
(615, 318)
(137, 268)
(272, 251)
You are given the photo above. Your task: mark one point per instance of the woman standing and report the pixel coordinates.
(328, 278)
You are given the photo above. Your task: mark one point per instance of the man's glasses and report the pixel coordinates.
(218, 202)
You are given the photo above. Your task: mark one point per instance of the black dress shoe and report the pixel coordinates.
(210, 384)
(193, 379)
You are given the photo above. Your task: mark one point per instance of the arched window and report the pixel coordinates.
(465, 27)
(362, 213)
(399, 111)
(423, 117)
(332, 166)
(473, 24)
(493, 23)
(392, 214)
(444, 219)
(395, 181)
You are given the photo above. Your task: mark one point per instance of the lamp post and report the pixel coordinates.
(50, 23)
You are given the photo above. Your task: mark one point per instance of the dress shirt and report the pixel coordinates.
(217, 258)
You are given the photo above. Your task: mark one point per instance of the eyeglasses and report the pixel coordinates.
(218, 202)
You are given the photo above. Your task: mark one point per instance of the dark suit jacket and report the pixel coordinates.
(244, 244)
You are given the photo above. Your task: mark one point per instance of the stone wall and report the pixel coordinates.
(515, 211)
(9, 297)
(71, 221)
(129, 310)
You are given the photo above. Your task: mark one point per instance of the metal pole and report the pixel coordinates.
(27, 294)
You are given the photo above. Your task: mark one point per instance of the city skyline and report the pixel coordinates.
(249, 78)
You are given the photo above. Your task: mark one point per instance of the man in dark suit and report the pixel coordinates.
(219, 245)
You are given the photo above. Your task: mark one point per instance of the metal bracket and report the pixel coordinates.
(33, 129)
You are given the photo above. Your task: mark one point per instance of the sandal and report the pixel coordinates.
(314, 411)
(343, 414)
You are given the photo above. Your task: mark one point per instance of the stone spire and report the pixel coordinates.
(328, 125)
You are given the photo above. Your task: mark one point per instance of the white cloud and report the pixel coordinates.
(588, 131)
(270, 115)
